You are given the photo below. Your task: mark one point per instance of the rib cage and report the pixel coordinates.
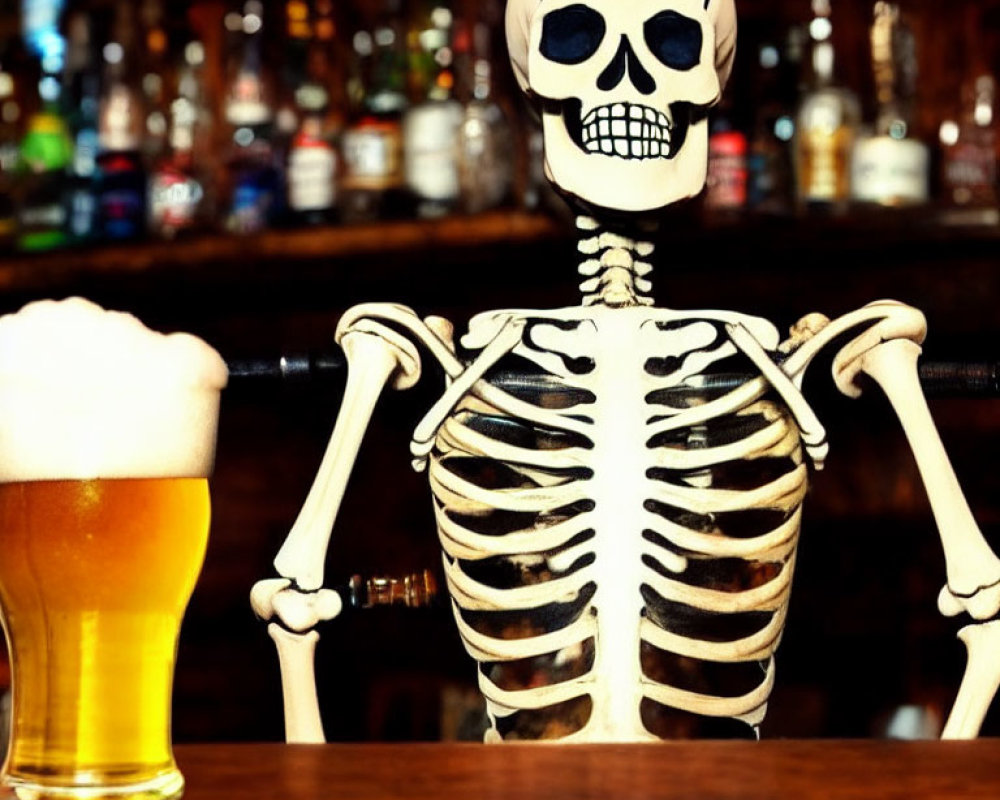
(619, 558)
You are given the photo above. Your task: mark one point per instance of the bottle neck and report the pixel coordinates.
(482, 80)
(981, 107)
(823, 64)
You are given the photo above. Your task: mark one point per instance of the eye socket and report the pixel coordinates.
(572, 34)
(674, 39)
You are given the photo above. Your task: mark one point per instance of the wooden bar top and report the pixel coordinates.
(706, 770)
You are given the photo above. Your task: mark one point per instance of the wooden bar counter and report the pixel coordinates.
(769, 770)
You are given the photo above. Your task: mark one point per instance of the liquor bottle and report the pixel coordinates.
(46, 152)
(372, 183)
(769, 163)
(290, 68)
(81, 104)
(179, 188)
(826, 125)
(313, 158)
(121, 175)
(41, 32)
(253, 175)
(193, 95)
(432, 122)
(156, 65)
(968, 146)
(11, 118)
(891, 167)
(725, 195)
(968, 139)
(486, 140)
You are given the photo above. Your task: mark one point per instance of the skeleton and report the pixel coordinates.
(618, 487)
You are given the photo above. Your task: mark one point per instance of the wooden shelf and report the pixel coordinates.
(223, 254)
(497, 249)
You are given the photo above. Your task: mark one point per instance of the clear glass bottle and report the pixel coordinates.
(432, 122)
(486, 152)
(372, 185)
(179, 197)
(826, 125)
(890, 166)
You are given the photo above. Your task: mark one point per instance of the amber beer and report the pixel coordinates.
(107, 439)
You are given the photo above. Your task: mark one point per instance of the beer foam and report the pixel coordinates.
(91, 393)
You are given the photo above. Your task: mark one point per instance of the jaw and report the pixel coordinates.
(627, 130)
(636, 180)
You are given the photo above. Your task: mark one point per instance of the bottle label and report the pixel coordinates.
(726, 185)
(312, 168)
(48, 215)
(768, 178)
(373, 157)
(85, 152)
(118, 129)
(247, 101)
(121, 196)
(82, 212)
(174, 199)
(120, 213)
(10, 157)
(252, 202)
(890, 171)
(825, 173)
(248, 113)
(430, 141)
(969, 172)
(42, 217)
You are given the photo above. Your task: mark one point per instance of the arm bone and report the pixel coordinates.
(973, 569)
(888, 353)
(374, 352)
(980, 682)
(298, 685)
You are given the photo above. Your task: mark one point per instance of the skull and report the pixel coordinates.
(623, 88)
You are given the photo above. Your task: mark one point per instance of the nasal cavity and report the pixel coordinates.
(625, 59)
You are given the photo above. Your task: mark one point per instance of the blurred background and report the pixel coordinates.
(247, 171)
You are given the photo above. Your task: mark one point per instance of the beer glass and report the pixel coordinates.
(107, 439)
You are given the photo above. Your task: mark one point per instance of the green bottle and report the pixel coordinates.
(46, 155)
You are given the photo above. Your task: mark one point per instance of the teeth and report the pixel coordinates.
(628, 131)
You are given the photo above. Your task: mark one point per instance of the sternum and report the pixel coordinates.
(618, 481)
